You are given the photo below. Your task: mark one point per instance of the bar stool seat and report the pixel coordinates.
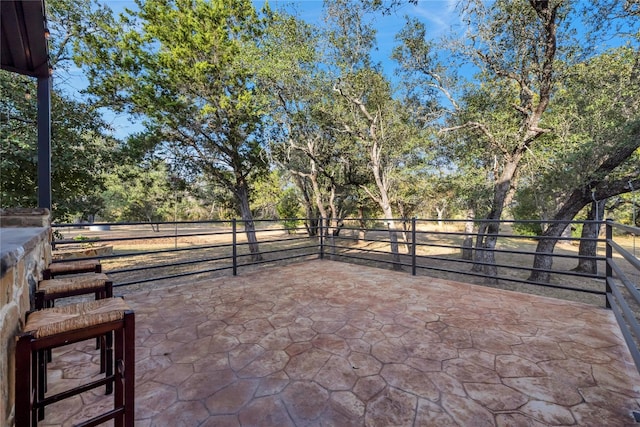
(72, 267)
(52, 289)
(54, 327)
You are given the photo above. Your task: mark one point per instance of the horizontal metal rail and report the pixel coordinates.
(281, 250)
(513, 267)
(266, 261)
(154, 237)
(410, 226)
(173, 264)
(504, 251)
(476, 274)
(625, 308)
(226, 250)
(172, 276)
(625, 254)
(374, 260)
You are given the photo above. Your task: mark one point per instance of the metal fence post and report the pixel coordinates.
(235, 247)
(609, 260)
(321, 232)
(413, 246)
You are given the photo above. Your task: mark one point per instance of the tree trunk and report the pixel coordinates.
(578, 199)
(362, 232)
(487, 240)
(336, 221)
(406, 229)
(467, 243)
(313, 177)
(566, 234)
(393, 241)
(546, 245)
(311, 220)
(242, 195)
(490, 241)
(311, 224)
(383, 199)
(590, 230)
(478, 255)
(440, 212)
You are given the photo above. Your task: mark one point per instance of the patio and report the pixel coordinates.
(331, 343)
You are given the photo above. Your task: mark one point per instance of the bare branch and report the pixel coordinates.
(370, 194)
(355, 101)
(20, 119)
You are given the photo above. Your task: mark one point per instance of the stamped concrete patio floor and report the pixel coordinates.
(322, 343)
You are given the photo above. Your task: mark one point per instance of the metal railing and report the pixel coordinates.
(623, 296)
(135, 252)
(425, 247)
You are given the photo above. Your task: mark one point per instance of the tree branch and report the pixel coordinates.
(20, 119)
(483, 129)
(370, 194)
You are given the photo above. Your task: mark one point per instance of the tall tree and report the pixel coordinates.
(304, 144)
(514, 45)
(598, 121)
(376, 125)
(186, 67)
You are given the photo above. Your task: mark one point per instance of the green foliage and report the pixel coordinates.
(80, 151)
(576, 230)
(625, 208)
(57, 235)
(138, 193)
(188, 69)
(224, 89)
(289, 208)
(527, 208)
(266, 193)
(82, 239)
(594, 110)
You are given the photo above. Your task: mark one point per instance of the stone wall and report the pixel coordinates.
(25, 251)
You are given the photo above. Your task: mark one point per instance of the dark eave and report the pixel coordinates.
(22, 36)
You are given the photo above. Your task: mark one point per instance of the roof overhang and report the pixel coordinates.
(22, 38)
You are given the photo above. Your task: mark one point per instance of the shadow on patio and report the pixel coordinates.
(331, 343)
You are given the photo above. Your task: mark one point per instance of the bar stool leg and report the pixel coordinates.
(129, 368)
(119, 395)
(40, 360)
(23, 382)
(107, 353)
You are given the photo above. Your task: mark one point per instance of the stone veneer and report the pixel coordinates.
(25, 250)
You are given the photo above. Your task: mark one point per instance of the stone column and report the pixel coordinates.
(25, 250)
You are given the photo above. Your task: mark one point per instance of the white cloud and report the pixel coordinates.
(439, 13)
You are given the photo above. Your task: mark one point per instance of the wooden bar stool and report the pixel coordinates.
(54, 327)
(72, 267)
(52, 289)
